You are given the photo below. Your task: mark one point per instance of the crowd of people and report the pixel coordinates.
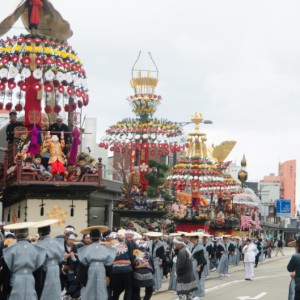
(105, 264)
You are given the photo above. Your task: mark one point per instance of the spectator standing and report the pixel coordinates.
(279, 247)
(249, 251)
(259, 248)
(294, 266)
(269, 248)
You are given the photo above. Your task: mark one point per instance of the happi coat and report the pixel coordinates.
(93, 259)
(55, 255)
(22, 259)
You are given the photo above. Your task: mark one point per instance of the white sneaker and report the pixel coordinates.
(196, 298)
(213, 269)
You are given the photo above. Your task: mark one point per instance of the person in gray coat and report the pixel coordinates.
(49, 285)
(22, 260)
(93, 260)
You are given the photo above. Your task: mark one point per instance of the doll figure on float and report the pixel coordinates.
(56, 160)
(220, 219)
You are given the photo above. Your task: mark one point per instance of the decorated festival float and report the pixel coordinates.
(140, 144)
(41, 76)
(207, 197)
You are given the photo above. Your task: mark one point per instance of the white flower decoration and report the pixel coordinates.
(2, 94)
(60, 76)
(13, 72)
(76, 80)
(69, 77)
(26, 72)
(143, 167)
(49, 75)
(37, 73)
(3, 72)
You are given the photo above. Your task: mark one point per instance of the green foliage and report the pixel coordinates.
(151, 192)
(156, 177)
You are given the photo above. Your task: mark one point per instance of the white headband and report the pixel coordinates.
(177, 241)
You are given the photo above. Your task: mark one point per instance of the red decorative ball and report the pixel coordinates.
(79, 103)
(18, 107)
(73, 106)
(48, 109)
(57, 109)
(67, 107)
(8, 106)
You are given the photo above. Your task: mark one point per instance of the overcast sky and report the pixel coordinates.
(236, 62)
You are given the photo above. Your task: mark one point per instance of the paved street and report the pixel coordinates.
(271, 282)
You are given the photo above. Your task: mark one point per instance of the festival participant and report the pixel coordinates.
(93, 260)
(143, 270)
(214, 259)
(187, 240)
(157, 252)
(121, 277)
(21, 267)
(70, 262)
(86, 240)
(167, 261)
(37, 165)
(207, 247)
(224, 248)
(174, 252)
(13, 123)
(9, 240)
(59, 128)
(50, 287)
(250, 251)
(198, 261)
(186, 282)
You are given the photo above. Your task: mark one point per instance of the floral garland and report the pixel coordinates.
(161, 136)
(55, 67)
(145, 104)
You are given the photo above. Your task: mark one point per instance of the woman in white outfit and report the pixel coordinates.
(250, 251)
